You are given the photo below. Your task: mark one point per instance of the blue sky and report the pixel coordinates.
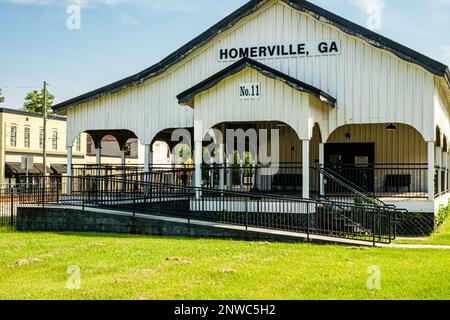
(120, 37)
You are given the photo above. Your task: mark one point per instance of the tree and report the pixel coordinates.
(2, 99)
(34, 102)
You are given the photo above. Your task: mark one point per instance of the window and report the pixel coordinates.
(55, 140)
(26, 137)
(13, 141)
(78, 143)
(41, 138)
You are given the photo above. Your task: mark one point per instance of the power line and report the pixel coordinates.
(61, 88)
(19, 87)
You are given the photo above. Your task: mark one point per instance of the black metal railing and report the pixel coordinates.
(105, 170)
(405, 223)
(11, 197)
(382, 180)
(399, 180)
(257, 210)
(280, 178)
(441, 184)
(348, 190)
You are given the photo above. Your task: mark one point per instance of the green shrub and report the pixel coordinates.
(442, 215)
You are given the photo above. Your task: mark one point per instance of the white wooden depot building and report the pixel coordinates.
(341, 96)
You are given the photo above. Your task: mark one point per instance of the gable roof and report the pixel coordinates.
(186, 97)
(252, 6)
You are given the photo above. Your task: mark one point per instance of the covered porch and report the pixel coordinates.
(388, 161)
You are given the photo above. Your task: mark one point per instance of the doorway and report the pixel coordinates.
(353, 161)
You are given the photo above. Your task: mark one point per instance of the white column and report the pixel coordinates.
(229, 173)
(172, 167)
(123, 158)
(222, 166)
(431, 154)
(148, 157)
(321, 164)
(98, 159)
(445, 166)
(448, 172)
(305, 168)
(438, 161)
(198, 165)
(98, 156)
(69, 169)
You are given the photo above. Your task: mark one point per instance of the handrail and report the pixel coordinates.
(337, 178)
(231, 192)
(350, 186)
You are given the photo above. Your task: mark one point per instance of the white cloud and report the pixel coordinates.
(373, 9)
(369, 5)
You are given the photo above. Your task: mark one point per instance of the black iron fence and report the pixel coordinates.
(399, 180)
(8, 206)
(21, 195)
(249, 210)
(280, 178)
(105, 170)
(441, 181)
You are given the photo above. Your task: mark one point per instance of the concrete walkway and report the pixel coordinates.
(414, 246)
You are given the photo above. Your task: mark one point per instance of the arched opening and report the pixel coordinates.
(172, 146)
(260, 156)
(387, 160)
(438, 142)
(441, 168)
(107, 152)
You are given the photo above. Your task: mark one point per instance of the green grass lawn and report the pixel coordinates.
(440, 237)
(34, 266)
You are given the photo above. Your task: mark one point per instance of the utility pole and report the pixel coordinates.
(44, 144)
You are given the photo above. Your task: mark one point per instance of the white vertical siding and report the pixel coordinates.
(278, 102)
(442, 114)
(404, 145)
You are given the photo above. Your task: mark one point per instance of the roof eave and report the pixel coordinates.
(187, 96)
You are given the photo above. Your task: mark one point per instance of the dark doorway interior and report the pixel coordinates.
(353, 161)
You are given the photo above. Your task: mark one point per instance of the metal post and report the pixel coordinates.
(389, 225)
(431, 164)
(44, 145)
(308, 222)
(134, 204)
(373, 228)
(198, 157)
(305, 168)
(246, 213)
(69, 169)
(12, 206)
(321, 166)
(57, 191)
(43, 192)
